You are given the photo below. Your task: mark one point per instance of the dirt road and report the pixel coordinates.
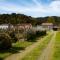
(49, 50)
(21, 54)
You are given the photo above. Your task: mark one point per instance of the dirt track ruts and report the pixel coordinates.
(47, 53)
(21, 54)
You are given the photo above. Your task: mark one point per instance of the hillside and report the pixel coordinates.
(21, 18)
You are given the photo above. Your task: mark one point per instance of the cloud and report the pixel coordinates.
(36, 2)
(55, 6)
(53, 9)
(35, 10)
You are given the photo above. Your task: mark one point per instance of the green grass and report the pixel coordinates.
(23, 44)
(35, 53)
(16, 47)
(56, 55)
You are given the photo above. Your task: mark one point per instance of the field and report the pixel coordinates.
(33, 55)
(18, 46)
(56, 55)
(45, 48)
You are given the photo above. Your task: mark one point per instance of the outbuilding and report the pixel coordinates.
(47, 26)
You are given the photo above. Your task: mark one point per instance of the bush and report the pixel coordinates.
(5, 41)
(40, 33)
(31, 36)
(13, 36)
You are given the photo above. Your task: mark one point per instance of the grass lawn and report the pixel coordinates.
(16, 47)
(35, 53)
(56, 55)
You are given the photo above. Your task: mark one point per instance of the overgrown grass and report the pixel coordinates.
(16, 47)
(56, 55)
(35, 53)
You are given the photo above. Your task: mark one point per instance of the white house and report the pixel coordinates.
(47, 26)
(5, 26)
(39, 28)
(23, 26)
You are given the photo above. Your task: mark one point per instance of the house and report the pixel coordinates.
(47, 26)
(38, 28)
(3, 26)
(24, 26)
(22, 29)
(55, 28)
(6, 26)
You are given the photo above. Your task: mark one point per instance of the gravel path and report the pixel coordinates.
(49, 50)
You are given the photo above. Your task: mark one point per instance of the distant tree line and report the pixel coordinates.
(50, 19)
(21, 18)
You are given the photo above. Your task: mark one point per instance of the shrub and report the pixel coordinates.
(40, 33)
(13, 36)
(5, 41)
(31, 36)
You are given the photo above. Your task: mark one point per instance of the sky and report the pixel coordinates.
(34, 8)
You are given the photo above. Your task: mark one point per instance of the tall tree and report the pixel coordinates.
(51, 20)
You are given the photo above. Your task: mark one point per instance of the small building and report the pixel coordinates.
(25, 26)
(47, 26)
(3, 26)
(22, 30)
(6, 26)
(38, 28)
(55, 28)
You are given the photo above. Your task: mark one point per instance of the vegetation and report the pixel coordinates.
(9, 41)
(13, 36)
(8, 46)
(5, 41)
(33, 55)
(16, 47)
(40, 33)
(56, 55)
(32, 35)
(21, 18)
(51, 20)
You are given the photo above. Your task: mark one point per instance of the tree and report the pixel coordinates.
(51, 20)
(5, 41)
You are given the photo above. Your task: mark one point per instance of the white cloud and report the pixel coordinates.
(37, 10)
(55, 6)
(12, 7)
(36, 2)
